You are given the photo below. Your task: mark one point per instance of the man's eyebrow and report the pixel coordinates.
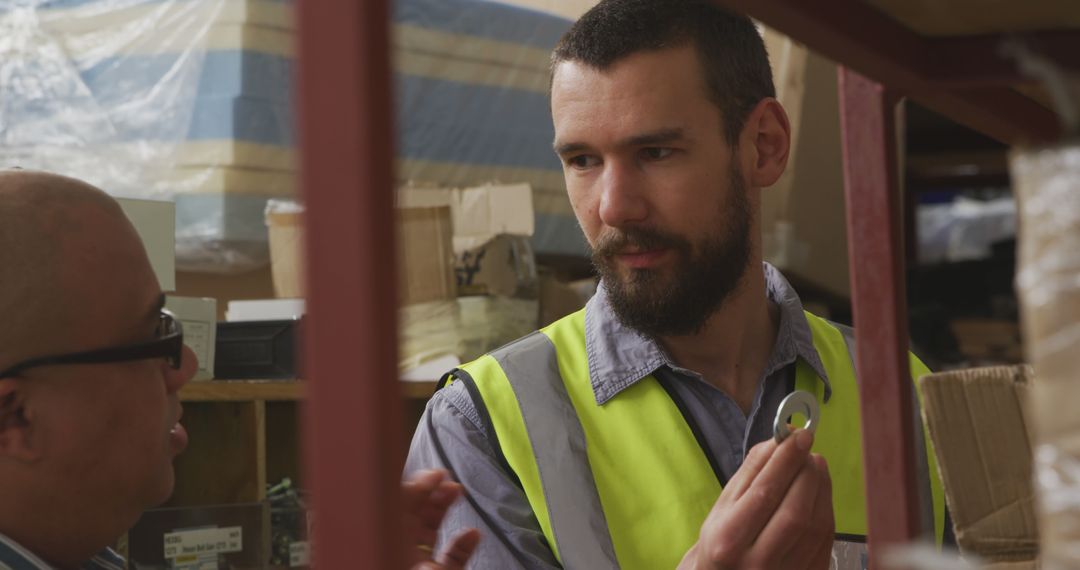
(567, 148)
(159, 305)
(654, 138)
(658, 137)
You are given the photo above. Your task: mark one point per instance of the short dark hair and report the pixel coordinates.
(731, 51)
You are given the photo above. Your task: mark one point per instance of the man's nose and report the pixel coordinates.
(623, 198)
(175, 378)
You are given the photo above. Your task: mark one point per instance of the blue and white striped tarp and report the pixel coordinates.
(471, 91)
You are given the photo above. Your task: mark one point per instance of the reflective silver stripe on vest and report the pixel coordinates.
(922, 467)
(558, 443)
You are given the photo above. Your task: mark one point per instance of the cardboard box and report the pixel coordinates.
(976, 419)
(426, 255)
(804, 233)
(492, 226)
(286, 232)
(558, 298)
(425, 252)
(503, 265)
(989, 339)
(493, 209)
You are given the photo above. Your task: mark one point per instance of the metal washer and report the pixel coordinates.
(797, 402)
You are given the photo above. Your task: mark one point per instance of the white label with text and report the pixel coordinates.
(299, 554)
(204, 541)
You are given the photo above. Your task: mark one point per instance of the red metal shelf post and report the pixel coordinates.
(353, 418)
(879, 307)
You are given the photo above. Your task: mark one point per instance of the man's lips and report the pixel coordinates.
(641, 259)
(178, 438)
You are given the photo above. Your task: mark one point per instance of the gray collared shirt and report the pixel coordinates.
(618, 357)
(14, 556)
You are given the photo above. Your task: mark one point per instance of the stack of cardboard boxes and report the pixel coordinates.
(467, 274)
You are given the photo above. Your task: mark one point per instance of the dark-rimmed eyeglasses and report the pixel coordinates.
(168, 344)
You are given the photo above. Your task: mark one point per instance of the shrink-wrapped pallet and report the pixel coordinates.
(1047, 183)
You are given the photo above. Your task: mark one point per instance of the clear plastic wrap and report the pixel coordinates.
(156, 99)
(1047, 182)
(965, 229)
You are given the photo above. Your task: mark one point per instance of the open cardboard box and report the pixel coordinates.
(983, 446)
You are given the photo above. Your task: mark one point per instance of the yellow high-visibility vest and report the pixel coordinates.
(626, 484)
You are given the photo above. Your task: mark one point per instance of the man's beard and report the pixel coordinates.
(678, 302)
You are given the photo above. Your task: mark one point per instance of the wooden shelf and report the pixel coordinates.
(274, 390)
(242, 390)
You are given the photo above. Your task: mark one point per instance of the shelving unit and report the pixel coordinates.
(946, 55)
(246, 433)
(242, 435)
(346, 145)
(242, 390)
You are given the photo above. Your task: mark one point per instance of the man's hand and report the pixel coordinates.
(775, 512)
(427, 495)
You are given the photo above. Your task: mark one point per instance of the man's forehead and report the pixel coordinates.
(589, 105)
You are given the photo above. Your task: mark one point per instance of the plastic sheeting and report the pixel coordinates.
(158, 99)
(1047, 182)
(191, 100)
(472, 79)
(965, 229)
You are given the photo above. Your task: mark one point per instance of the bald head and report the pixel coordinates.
(50, 226)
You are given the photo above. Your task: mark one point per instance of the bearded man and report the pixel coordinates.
(605, 439)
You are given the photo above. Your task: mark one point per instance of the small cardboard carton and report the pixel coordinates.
(493, 225)
(427, 257)
(425, 252)
(286, 232)
(976, 419)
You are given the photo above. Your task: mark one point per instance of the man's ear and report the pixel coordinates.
(16, 427)
(768, 133)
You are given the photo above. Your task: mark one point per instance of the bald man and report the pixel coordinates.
(90, 369)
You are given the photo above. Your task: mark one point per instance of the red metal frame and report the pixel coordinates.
(853, 33)
(353, 420)
(978, 60)
(965, 79)
(871, 187)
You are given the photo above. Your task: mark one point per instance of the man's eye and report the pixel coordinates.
(656, 152)
(582, 161)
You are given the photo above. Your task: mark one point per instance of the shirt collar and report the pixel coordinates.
(15, 555)
(620, 356)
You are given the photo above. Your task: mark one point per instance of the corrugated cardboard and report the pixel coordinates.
(492, 226)
(425, 245)
(427, 255)
(479, 213)
(486, 211)
(802, 215)
(503, 265)
(979, 431)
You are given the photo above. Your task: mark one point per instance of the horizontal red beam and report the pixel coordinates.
(980, 60)
(857, 36)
